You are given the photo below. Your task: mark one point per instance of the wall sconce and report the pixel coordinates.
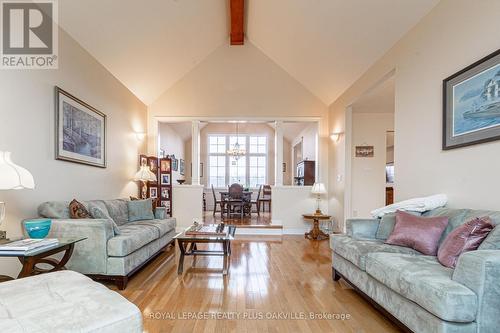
(140, 135)
(336, 136)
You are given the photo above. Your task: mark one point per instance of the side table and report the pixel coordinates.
(316, 233)
(29, 260)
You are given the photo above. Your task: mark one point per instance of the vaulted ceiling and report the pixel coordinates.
(324, 44)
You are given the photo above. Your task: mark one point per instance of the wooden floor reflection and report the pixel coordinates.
(270, 276)
(262, 220)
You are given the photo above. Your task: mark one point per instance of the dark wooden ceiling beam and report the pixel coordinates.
(237, 22)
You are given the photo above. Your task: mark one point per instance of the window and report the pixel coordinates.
(217, 160)
(257, 170)
(249, 170)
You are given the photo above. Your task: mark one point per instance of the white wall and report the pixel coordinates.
(187, 204)
(309, 136)
(238, 83)
(172, 143)
(290, 215)
(368, 173)
(451, 37)
(27, 130)
(287, 159)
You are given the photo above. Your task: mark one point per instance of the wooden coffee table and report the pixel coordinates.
(188, 247)
(316, 233)
(30, 259)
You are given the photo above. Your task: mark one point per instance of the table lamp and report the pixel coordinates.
(12, 177)
(144, 175)
(318, 189)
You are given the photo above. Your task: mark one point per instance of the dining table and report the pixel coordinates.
(246, 195)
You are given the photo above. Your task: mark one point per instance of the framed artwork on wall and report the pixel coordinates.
(153, 164)
(365, 151)
(164, 165)
(165, 193)
(471, 104)
(165, 179)
(80, 131)
(143, 160)
(181, 167)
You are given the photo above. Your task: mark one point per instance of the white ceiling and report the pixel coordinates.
(324, 44)
(147, 45)
(183, 128)
(381, 99)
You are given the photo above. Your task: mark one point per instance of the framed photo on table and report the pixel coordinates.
(471, 104)
(80, 131)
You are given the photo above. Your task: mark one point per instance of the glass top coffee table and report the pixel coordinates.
(30, 259)
(188, 247)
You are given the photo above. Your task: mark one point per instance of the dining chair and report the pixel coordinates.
(266, 198)
(256, 202)
(235, 199)
(217, 202)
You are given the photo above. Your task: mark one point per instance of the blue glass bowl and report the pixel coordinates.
(37, 228)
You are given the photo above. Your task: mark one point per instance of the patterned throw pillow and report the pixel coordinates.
(77, 210)
(97, 213)
(466, 237)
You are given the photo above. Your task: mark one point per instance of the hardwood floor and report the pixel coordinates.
(268, 276)
(254, 220)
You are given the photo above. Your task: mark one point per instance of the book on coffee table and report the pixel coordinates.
(206, 229)
(26, 245)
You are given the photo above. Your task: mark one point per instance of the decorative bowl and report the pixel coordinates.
(38, 228)
(181, 181)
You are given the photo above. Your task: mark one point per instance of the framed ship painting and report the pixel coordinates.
(80, 131)
(471, 104)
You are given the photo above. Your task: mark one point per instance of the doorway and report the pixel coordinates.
(389, 168)
(371, 150)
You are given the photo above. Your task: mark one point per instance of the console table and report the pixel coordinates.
(316, 233)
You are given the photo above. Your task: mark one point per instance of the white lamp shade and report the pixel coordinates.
(12, 176)
(145, 175)
(318, 188)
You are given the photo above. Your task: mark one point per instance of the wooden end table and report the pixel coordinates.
(316, 233)
(188, 247)
(29, 260)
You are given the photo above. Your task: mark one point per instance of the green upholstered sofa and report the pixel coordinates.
(106, 254)
(415, 290)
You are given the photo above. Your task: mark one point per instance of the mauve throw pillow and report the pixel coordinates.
(419, 233)
(466, 237)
